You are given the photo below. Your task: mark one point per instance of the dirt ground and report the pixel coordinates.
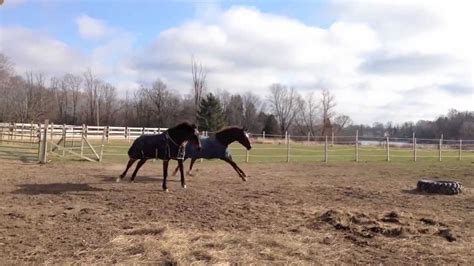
(74, 212)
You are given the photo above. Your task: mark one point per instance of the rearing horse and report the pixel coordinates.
(218, 148)
(165, 146)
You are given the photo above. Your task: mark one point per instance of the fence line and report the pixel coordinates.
(42, 136)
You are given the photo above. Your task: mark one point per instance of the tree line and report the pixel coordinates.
(87, 99)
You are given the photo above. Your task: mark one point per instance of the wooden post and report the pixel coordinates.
(64, 140)
(388, 149)
(326, 150)
(288, 148)
(108, 133)
(86, 131)
(104, 133)
(357, 146)
(332, 137)
(460, 149)
(43, 143)
(286, 136)
(83, 136)
(247, 156)
(143, 131)
(440, 144)
(263, 134)
(414, 147)
(51, 132)
(308, 138)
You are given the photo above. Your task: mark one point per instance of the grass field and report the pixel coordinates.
(116, 151)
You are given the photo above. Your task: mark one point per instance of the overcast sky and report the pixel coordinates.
(383, 60)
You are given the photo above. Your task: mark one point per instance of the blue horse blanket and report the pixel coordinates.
(211, 148)
(156, 147)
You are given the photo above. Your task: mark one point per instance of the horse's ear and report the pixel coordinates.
(245, 129)
(193, 126)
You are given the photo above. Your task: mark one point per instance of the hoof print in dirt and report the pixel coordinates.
(439, 187)
(448, 234)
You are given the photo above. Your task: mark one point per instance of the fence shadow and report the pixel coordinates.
(53, 188)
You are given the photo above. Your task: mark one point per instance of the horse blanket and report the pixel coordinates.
(211, 148)
(159, 146)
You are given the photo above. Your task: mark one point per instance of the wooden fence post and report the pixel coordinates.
(247, 156)
(326, 149)
(83, 132)
(51, 132)
(287, 148)
(64, 140)
(43, 143)
(308, 138)
(263, 134)
(357, 146)
(108, 133)
(414, 147)
(388, 149)
(104, 133)
(332, 137)
(440, 144)
(460, 149)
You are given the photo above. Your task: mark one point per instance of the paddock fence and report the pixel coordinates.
(49, 141)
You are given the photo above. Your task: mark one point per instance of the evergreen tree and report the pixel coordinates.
(210, 115)
(271, 125)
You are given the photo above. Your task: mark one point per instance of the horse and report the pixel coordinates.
(218, 148)
(165, 146)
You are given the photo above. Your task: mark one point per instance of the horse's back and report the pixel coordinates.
(147, 146)
(211, 148)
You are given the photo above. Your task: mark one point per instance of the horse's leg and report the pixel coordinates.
(139, 165)
(191, 165)
(129, 164)
(181, 172)
(165, 174)
(177, 168)
(236, 168)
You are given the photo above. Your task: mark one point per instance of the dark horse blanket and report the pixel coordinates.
(211, 148)
(156, 147)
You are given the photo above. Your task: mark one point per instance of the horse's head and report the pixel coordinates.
(244, 138)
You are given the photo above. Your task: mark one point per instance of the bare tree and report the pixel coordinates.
(73, 84)
(341, 122)
(199, 84)
(283, 102)
(328, 102)
(308, 115)
(107, 103)
(92, 89)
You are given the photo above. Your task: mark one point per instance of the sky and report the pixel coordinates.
(382, 60)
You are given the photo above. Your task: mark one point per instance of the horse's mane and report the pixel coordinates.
(227, 129)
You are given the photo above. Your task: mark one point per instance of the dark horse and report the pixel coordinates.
(165, 146)
(218, 148)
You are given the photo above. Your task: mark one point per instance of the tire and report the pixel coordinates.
(439, 187)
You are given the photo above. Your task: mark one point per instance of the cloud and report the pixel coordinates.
(36, 51)
(383, 60)
(91, 28)
(406, 64)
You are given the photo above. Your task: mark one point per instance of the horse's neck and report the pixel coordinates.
(175, 136)
(225, 140)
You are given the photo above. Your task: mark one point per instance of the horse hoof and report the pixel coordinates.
(166, 190)
(244, 179)
(118, 179)
(131, 181)
(184, 186)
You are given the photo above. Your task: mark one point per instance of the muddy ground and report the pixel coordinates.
(299, 212)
